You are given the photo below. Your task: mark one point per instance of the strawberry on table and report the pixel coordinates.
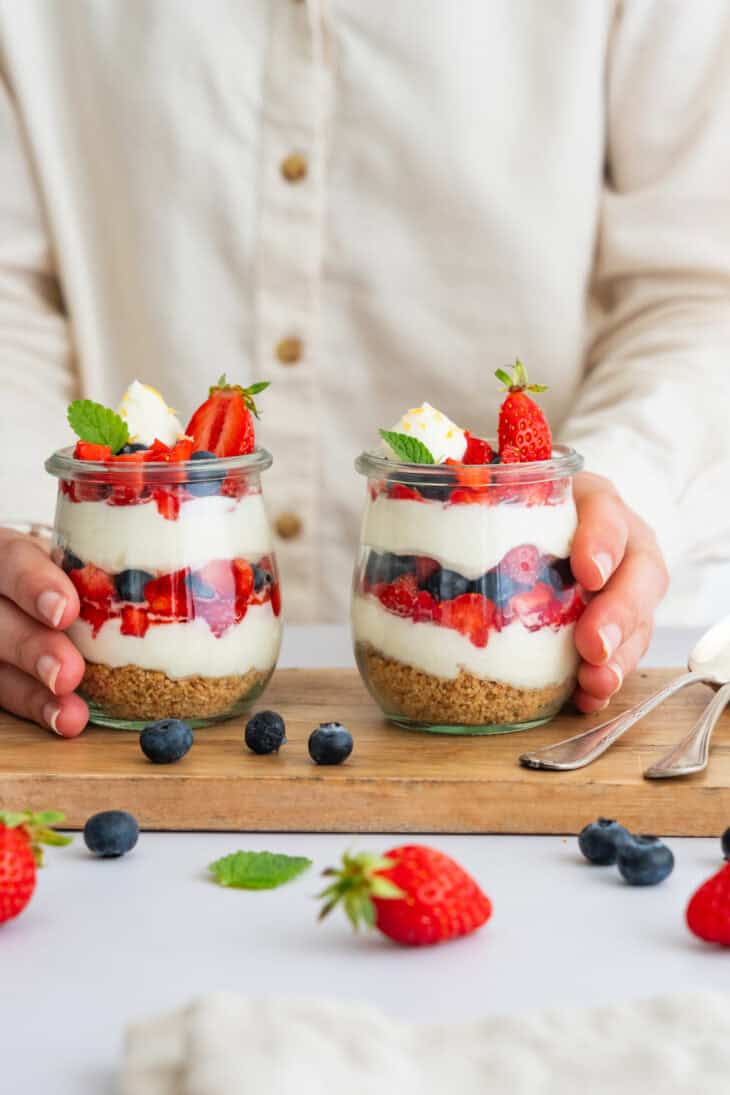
(708, 913)
(224, 423)
(21, 837)
(522, 423)
(414, 894)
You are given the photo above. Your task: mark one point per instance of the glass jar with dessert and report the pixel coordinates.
(165, 536)
(464, 604)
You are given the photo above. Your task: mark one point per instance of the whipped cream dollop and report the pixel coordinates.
(148, 416)
(442, 437)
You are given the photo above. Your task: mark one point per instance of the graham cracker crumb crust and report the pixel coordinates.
(467, 700)
(129, 692)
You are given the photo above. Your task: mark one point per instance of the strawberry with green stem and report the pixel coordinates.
(223, 424)
(414, 894)
(523, 428)
(22, 835)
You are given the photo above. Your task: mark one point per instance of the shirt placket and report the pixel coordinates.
(289, 261)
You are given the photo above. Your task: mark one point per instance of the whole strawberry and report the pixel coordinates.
(708, 913)
(522, 424)
(413, 894)
(21, 837)
(223, 424)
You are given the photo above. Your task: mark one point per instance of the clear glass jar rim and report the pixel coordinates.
(565, 462)
(64, 465)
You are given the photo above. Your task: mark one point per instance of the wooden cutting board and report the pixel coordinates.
(395, 781)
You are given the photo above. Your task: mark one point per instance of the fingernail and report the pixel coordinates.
(47, 668)
(604, 565)
(618, 674)
(51, 607)
(610, 637)
(51, 711)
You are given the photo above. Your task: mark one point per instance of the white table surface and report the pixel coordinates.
(105, 942)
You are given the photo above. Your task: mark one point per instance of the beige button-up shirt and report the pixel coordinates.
(372, 204)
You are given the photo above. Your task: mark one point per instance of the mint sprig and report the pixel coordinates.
(257, 870)
(97, 424)
(409, 449)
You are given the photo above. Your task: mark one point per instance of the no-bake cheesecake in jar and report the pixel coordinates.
(464, 603)
(164, 534)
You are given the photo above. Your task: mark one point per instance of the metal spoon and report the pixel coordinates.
(709, 663)
(692, 752)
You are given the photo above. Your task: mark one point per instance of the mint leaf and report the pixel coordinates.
(409, 449)
(98, 424)
(257, 870)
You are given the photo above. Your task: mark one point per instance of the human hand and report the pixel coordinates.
(615, 556)
(39, 666)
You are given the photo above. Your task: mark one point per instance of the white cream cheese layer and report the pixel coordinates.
(467, 538)
(120, 537)
(186, 649)
(515, 656)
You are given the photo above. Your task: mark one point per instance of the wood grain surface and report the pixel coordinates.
(395, 781)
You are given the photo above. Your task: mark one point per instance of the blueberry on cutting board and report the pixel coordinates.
(265, 732)
(166, 741)
(330, 743)
(111, 833)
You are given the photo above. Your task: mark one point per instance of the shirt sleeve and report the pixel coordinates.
(37, 376)
(653, 412)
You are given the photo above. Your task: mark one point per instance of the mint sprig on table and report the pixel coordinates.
(97, 424)
(409, 449)
(257, 870)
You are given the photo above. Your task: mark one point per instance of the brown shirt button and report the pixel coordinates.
(289, 350)
(294, 167)
(288, 525)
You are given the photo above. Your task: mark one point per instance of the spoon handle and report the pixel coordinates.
(692, 752)
(577, 752)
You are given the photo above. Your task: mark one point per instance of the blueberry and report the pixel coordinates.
(111, 833)
(601, 841)
(645, 861)
(437, 492)
(261, 578)
(130, 584)
(496, 458)
(133, 446)
(166, 741)
(265, 732)
(558, 574)
(71, 561)
(725, 839)
(387, 567)
(444, 585)
(206, 480)
(330, 743)
(200, 590)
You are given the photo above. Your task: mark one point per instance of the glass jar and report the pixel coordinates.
(176, 576)
(464, 604)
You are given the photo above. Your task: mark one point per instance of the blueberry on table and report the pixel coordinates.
(265, 732)
(644, 861)
(725, 840)
(130, 585)
(330, 743)
(206, 480)
(601, 840)
(166, 741)
(111, 833)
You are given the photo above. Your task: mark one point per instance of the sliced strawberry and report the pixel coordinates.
(234, 485)
(521, 564)
(471, 614)
(219, 615)
(85, 450)
(223, 424)
(169, 596)
(135, 620)
(426, 609)
(157, 452)
(127, 488)
(94, 615)
(93, 584)
(478, 451)
(167, 502)
(404, 493)
(465, 496)
(572, 606)
(243, 579)
(276, 599)
(181, 451)
(537, 608)
(425, 567)
(399, 597)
